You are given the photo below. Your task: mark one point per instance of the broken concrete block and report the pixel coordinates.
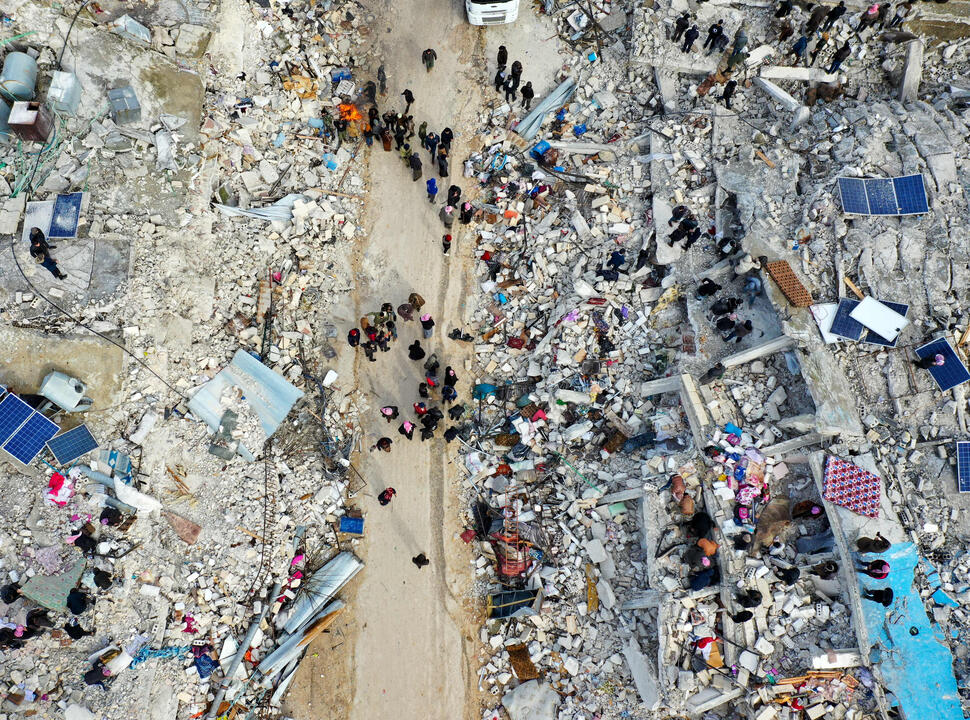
(596, 551)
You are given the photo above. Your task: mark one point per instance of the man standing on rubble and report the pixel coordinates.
(689, 37)
(728, 92)
(815, 19)
(499, 79)
(799, 48)
(840, 55)
(428, 57)
(833, 15)
(682, 23)
(527, 94)
(713, 33)
(38, 251)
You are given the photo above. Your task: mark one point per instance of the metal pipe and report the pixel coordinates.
(240, 652)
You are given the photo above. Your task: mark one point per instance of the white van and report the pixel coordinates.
(492, 12)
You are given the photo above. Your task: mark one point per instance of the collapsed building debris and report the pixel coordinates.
(668, 502)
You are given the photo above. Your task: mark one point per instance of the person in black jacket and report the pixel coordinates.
(527, 94)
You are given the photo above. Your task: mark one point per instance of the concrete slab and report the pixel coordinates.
(804, 74)
(95, 267)
(835, 409)
(912, 71)
(777, 94)
(30, 355)
(104, 60)
(644, 676)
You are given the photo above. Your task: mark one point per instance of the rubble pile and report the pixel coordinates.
(193, 567)
(586, 306)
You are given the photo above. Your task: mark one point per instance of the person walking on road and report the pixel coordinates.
(510, 86)
(353, 338)
(384, 444)
(446, 244)
(428, 57)
(680, 25)
(499, 79)
(409, 99)
(689, 37)
(467, 213)
(389, 412)
(432, 186)
(454, 195)
(443, 162)
(527, 94)
(446, 137)
(420, 560)
(415, 351)
(427, 325)
(382, 79)
(503, 56)
(407, 429)
(415, 163)
(385, 497)
(447, 216)
(415, 301)
(431, 143)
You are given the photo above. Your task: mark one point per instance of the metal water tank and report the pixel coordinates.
(19, 76)
(6, 134)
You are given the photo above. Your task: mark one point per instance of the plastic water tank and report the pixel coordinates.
(19, 76)
(5, 133)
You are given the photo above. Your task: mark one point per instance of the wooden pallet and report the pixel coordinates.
(781, 272)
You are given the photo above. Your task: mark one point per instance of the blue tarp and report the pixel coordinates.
(268, 393)
(918, 669)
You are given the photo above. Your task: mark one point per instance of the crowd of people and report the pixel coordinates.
(817, 27)
(724, 309)
(22, 618)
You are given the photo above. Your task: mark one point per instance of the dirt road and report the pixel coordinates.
(406, 648)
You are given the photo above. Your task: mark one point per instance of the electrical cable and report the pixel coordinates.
(89, 328)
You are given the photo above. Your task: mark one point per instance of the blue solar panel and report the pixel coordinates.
(67, 212)
(911, 195)
(952, 372)
(882, 197)
(874, 339)
(13, 413)
(30, 438)
(853, 191)
(963, 466)
(845, 326)
(69, 446)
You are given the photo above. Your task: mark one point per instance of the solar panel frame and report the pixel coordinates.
(953, 372)
(845, 326)
(66, 215)
(963, 466)
(25, 444)
(911, 194)
(852, 192)
(14, 412)
(903, 195)
(874, 339)
(72, 444)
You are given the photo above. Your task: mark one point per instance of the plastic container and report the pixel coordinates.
(19, 76)
(64, 94)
